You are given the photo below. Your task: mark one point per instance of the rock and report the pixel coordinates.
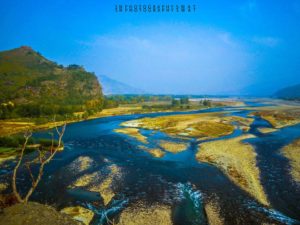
(34, 213)
(79, 213)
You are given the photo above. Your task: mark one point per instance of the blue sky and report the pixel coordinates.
(236, 47)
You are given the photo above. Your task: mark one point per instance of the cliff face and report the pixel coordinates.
(26, 77)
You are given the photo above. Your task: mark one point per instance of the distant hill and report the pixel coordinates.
(291, 92)
(28, 78)
(111, 86)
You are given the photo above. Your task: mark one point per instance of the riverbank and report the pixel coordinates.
(15, 126)
(109, 172)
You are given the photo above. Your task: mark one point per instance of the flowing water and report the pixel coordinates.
(177, 180)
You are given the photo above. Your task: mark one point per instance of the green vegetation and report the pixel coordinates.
(154, 102)
(4, 150)
(206, 102)
(47, 142)
(33, 86)
(15, 142)
(112, 101)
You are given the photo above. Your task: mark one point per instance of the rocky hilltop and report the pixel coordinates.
(29, 79)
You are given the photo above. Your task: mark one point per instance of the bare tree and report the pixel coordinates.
(42, 159)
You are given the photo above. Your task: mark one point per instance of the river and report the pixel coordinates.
(177, 180)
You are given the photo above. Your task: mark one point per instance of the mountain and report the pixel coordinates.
(291, 92)
(111, 86)
(28, 78)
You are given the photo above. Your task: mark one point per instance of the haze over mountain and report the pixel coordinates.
(291, 92)
(111, 86)
(236, 47)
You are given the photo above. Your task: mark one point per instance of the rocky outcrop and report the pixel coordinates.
(34, 213)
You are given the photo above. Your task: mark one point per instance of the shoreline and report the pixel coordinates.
(21, 126)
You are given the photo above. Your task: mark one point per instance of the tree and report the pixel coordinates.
(184, 100)
(6, 110)
(43, 158)
(109, 103)
(207, 103)
(175, 102)
(74, 67)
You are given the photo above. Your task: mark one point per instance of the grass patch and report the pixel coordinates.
(266, 130)
(280, 118)
(155, 152)
(133, 132)
(210, 129)
(173, 147)
(203, 125)
(6, 150)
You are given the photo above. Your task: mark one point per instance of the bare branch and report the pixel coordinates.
(27, 135)
(40, 156)
(42, 159)
(41, 170)
(29, 171)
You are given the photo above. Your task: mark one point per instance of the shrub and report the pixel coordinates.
(9, 142)
(14, 141)
(47, 142)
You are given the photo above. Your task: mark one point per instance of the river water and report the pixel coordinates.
(177, 180)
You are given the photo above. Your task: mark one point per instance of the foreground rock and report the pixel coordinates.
(34, 213)
(238, 161)
(79, 213)
(292, 152)
(145, 215)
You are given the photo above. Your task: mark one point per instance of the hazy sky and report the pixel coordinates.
(241, 47)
